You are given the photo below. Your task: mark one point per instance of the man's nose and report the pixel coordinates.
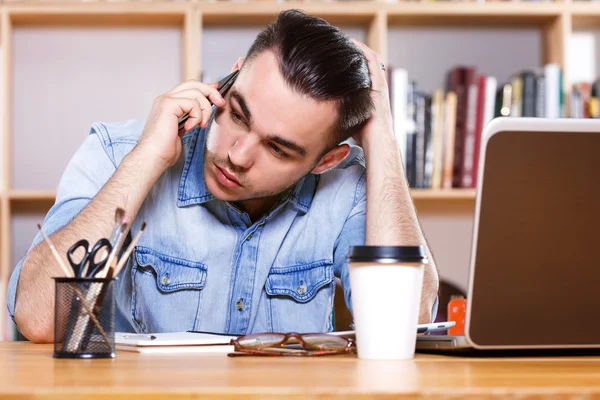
(243, 151)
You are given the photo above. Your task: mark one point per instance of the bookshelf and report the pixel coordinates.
(105, 34)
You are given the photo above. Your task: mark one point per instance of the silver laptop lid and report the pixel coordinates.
(535, 264)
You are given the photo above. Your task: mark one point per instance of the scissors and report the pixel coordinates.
(89, 265)
(222, 87)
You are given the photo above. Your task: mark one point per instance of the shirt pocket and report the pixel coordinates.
(301, 297)
(166, 292)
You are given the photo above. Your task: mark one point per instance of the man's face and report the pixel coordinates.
(267, 137)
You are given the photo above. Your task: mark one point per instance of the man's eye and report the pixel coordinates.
(277, 151)
(236, 117)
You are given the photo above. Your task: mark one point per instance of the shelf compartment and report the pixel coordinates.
(77, 62)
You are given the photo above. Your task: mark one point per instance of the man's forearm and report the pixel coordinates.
(127, 188)
(391, 216)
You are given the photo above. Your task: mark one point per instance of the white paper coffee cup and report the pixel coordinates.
(386, 283)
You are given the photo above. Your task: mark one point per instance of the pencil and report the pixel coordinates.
(62, 265)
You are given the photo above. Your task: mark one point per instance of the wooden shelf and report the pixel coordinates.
(94, 14)
(31, 195)
(473, 14)
(585, 15)
(224, 13)
(443, 194)
(30, 201)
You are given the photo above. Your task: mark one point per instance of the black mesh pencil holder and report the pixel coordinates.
(84, 318)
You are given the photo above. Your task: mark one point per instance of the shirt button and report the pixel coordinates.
(165, 280)
(249, 237)
(302, 290)
(240, 305)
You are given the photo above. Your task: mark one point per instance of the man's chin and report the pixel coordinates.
(222, 193)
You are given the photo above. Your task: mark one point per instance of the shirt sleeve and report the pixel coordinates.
(86, 173)
(354, 234)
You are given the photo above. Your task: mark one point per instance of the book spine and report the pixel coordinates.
(438, 138)
(552, 79)
(516, 105)
(449, 138)
(469, 146)
(411, 133)
(540, 96)
(399, 86)
(429, 143)
(421, 107)
(529, 95)
(479, 124)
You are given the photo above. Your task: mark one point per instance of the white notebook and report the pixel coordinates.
(175, 342)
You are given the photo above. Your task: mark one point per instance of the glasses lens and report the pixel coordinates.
(260, 340)
(324, 341)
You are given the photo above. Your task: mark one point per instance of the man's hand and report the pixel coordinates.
(160, 140)
(381, 122)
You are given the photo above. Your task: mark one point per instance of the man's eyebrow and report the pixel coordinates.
(242, 102)
(273, 138)
(290, 145)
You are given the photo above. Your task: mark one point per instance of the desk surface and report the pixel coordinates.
(29, 371)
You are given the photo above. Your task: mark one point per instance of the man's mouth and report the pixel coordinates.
(226, 178)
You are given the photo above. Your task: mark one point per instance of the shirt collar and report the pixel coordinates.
(192, 186)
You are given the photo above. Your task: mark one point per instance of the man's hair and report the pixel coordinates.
(318, 60)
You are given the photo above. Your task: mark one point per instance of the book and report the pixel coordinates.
(174, 342)
(205, 349)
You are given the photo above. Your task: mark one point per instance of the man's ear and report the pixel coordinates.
(332, 158)
(238, 64)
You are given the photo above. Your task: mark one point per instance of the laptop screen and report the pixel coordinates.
(537, 247)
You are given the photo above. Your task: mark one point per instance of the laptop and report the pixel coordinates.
(534, 270)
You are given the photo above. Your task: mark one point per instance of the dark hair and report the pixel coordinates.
(318, 60)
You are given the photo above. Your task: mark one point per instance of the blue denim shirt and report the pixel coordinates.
(201, 263)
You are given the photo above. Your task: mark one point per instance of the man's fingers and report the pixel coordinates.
(374, 63)
(193, 109)
(205, 105)
(208, 90)
(180, 106)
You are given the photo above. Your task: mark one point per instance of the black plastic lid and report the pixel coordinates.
(387, 253)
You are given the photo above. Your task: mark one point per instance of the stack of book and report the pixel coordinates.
(439, 133)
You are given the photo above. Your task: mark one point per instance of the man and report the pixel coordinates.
(251, 213)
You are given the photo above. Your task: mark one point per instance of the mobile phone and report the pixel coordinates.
(223, 87)
(435, 327)
(421, 328)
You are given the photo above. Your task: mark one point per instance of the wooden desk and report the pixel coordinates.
(28, 371)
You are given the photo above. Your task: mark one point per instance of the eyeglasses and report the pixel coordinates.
(292, 344)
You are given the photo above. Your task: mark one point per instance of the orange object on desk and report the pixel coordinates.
(457, 308)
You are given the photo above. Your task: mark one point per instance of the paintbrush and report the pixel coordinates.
(119, 215)
(125, 256)
(108, 268)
